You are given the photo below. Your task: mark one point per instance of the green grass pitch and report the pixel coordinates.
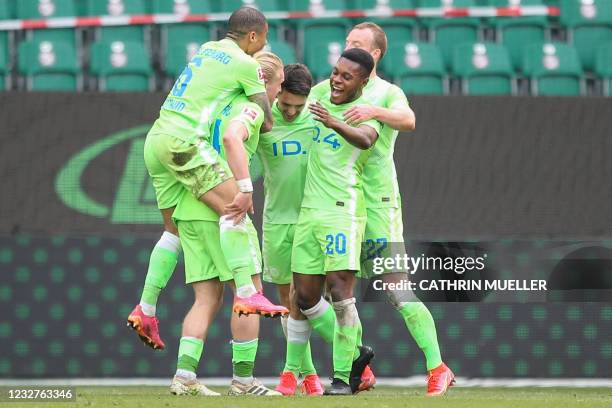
(381, 397)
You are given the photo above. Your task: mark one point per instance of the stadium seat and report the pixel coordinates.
(180, 40)
(448, 32)
(6, 11)
(121, 66)
(603, 67)
(321, 56)
(118, 8)
(285, 51)
(589, 25)
(484, 69)
(554, 69)
(49, 66)
(229, 6)
(317, 5)
(4, 61)
(35, 9)
(41, 9)
(383, 4)
(182, 7)
(421, 70)
(516, 32)
(397, 29)
(181, 46)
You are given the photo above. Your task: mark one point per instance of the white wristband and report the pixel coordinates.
(245, 185)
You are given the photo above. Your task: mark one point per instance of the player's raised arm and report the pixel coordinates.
(363, 136)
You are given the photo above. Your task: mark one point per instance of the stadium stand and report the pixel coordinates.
(413, 61)
(554, 69)
(514, 33)
(484, 69)
(416, 67)
(603, 67)
(4, 62)
(589, 24)
(121, 66)
(49, 66)
(119, 8)
(448, 32)
(284, 50)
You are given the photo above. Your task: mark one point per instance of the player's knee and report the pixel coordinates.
(340, 291)
(305, 301)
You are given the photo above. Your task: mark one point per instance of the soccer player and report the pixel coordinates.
(179, 155)
(331, 224)
(237, 132)
(382, 197)
(283, 153)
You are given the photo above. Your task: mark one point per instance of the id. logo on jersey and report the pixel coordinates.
(260, 75)
(250, 113)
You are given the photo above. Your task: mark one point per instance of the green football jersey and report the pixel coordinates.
(284, 155)
(240, 109)
(380, 178)
(217, 73)
(335, 167)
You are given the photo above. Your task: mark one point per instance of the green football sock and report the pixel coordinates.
(421, 325)
(190, 351)
(235, 245)
(295, 356)
(243, 357)
(161, 266)
(308, 367)
(323, 321)
(298, 337)
(347, 329)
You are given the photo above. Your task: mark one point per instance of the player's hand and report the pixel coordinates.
(243, 203)
(358, 114)
(320, 114)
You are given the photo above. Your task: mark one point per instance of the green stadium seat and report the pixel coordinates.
(49, 66)
(121, 66)
(229, 6)
(4, 61)
(317, 5)
(180, 43)
(397, 29)
(321, 41)
(554, 69)
(182, 6)
(6, 11)
(41, 9)
(118, 8)
(603, 67)
(383, 4)
(448, 32)
(321, 56)
(36, 9)
(285, 51)
(183, 35)
(81, 7)
(421, 70)
(589, 25)
(484, 69)
(516, 32)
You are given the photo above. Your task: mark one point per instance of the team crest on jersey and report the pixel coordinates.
(250, 113)
(260, 75)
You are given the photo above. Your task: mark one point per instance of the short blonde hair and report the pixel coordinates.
(270, 64)
(380, 38)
